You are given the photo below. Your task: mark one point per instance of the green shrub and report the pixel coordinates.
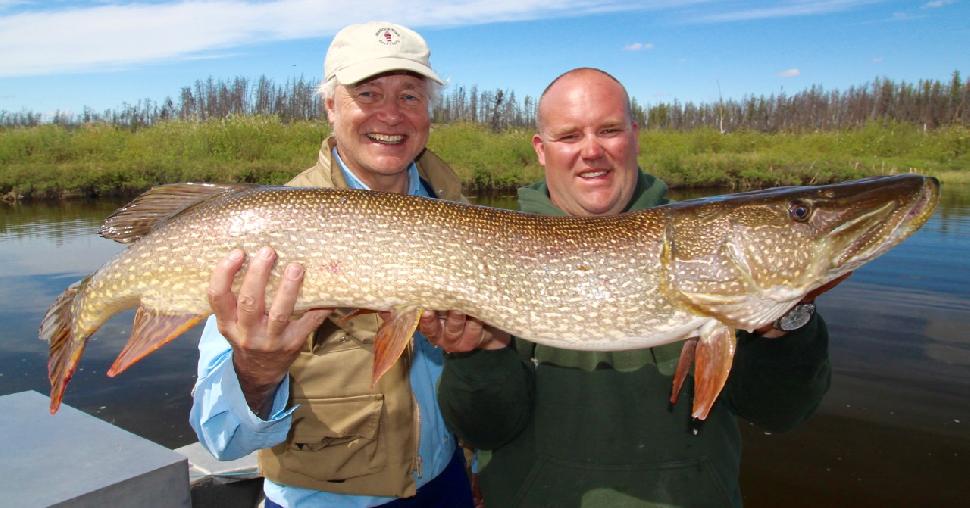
(98, 159)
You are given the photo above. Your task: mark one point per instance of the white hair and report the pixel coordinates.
(327, 89)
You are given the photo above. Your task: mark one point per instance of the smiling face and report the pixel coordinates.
(587, 143)
(381, 125)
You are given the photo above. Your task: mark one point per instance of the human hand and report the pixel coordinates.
(264, 343)
(455, 332)
(770, 332)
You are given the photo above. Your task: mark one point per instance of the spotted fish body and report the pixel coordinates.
(694, 269)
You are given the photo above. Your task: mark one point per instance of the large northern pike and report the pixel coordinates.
(697, 269)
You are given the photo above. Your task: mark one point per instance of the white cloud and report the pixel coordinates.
(638, 46)
(117, 35)
(790, 73)
(936, 4)
(877, 60)
(44, 38)
(7, 4)
(785, 9)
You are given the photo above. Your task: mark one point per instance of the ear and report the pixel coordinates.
(636, 137)
(331, 111)
(538, 146)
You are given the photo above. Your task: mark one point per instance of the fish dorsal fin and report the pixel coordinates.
(150, 331)
(144, 213)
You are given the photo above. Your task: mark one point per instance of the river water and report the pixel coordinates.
(893, 431)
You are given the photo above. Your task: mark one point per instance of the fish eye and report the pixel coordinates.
(799, 211)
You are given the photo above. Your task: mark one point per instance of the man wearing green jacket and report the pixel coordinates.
(592, 429)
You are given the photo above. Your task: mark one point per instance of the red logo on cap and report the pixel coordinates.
(388, 36)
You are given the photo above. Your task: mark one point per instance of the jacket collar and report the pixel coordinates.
(650, 191)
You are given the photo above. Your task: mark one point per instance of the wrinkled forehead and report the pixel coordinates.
(583, 101)
(406, 78)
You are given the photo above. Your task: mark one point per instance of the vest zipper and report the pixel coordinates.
(417, 465)
(418, 462)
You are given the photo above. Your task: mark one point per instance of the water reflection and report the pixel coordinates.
(45, 248)
(895, 428)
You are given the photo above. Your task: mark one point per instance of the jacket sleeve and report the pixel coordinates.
(220, 415)
(486, 396)
(777, 383)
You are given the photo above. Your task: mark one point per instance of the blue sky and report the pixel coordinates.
(64, 55)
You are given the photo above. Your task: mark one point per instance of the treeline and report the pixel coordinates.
(294, 100)
(929, 104)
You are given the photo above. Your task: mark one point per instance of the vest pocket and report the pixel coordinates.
(335, 439)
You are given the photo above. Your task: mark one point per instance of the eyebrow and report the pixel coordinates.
(570, 128)
(561, 130)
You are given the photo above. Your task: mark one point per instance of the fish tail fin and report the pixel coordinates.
(392, 339)
(66, 345)
(150, 331)
(714, 356)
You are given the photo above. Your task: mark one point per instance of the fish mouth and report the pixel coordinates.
(386, 139)
(924, 206)
(881, 232)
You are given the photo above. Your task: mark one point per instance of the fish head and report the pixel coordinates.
(747, 258)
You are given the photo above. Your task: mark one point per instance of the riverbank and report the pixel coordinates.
(52, 161)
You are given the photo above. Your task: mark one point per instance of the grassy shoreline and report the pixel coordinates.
(51, 161)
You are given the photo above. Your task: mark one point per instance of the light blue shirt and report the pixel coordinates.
(229, 429)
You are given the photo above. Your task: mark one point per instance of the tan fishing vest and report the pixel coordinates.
(346, 436)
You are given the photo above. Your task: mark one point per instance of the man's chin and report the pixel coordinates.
(389, 165)
(601, 204)
(385, 150)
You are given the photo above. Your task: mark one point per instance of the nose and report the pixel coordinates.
(390, 111)
(591, 148)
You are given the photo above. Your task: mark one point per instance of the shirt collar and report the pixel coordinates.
(414, 180)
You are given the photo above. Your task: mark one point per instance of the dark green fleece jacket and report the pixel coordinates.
(592, 429)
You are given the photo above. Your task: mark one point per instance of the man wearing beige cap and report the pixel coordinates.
(299, 390)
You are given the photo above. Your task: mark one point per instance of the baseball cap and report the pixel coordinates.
(364, 50)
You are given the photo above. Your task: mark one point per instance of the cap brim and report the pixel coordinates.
(361, 71)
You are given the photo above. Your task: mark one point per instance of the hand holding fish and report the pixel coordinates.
(457, 333)
(265, 342)
(770, 332)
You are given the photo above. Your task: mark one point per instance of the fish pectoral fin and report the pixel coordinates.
(712, 364)
(392, 339)
(683, 368)
(151, 330)
(343, 316)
